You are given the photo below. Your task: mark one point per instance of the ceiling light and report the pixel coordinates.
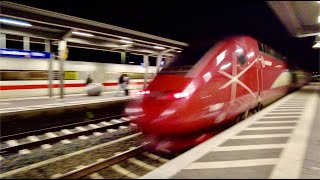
(126, 41)
(317, 45)
(178, 51)
(131, 62)
(83, 34)
(14, 22)
(146, 51)
(158, 47)
(318, 19)
(125, 45)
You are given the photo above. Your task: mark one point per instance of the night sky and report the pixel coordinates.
(188, 21)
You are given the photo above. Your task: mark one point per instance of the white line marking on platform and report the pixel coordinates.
(46, 146)
(141, 164)
(290, 113)
(270, 128)
(124, 172)
(275, 122)
(279, 117)
(248, 147)
(12, 143)
(260, 136)
(230, 164)
(292, 157)
(288, 110)
(33, 138)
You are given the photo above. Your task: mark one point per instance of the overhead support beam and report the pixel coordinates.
(9, 9)
(307, 31)
(286, 14)
(26, 43)
(67, 35)
(3, 40)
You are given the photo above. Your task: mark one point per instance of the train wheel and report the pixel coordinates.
(239, 118)
(246, 115)
(259, 107)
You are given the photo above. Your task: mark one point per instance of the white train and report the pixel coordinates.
(29, 77)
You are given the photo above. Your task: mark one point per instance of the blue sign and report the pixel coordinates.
(23, 54)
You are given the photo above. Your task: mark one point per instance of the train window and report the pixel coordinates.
(188, 58)
(13, 75)
(242, 59)
(36, 47)
(14, 44)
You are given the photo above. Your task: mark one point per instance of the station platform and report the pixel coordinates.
(19, 105)
(282, 141)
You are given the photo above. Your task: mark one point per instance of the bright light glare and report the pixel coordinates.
(251, 54)
(207, 76)
(158, 47)
(143, 92)
(178, 51)
(126, 41)
(239, 50)
(181, 95)
(220, 57)
(83, 34)
(225, 66)
(14, 22)
(318, 19)
(316, 45)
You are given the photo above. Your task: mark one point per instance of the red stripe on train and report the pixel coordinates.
(42, 86)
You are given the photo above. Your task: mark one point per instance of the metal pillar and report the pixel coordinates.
(123, 57)
(146, 65)
(48, 49)
(26, 43)
(3, 43)
(159, 58)
(62, 46)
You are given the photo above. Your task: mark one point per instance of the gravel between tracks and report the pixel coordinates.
(46, 171)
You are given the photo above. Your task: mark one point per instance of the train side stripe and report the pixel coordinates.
(42, 86)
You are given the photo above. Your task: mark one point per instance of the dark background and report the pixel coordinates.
(187, 21)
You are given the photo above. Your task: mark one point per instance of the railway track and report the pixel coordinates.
(114, 165)
(23, 141)
(125, 157)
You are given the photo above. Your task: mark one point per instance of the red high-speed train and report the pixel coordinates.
(208, 86)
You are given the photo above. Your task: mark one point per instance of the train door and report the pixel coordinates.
(259, 69)
(247, 74)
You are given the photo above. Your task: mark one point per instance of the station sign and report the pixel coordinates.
(14, 53)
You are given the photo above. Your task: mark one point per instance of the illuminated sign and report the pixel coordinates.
(23, 54)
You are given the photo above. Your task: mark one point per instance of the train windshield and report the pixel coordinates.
(187, 59)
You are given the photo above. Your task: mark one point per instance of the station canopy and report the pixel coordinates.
(301, 18)
(82, 33)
